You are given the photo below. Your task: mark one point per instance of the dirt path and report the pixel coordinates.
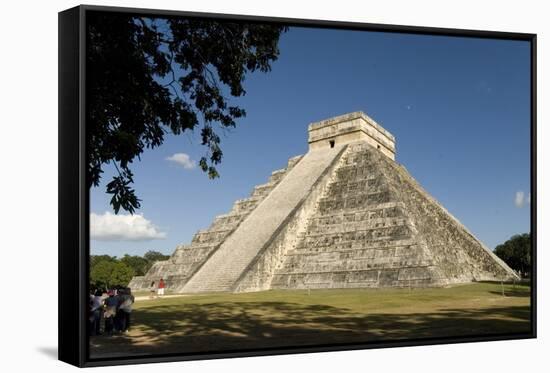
(147, 297)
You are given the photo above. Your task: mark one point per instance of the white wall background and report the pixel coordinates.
(28, 187)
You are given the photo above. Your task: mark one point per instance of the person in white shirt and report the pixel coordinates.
(96, 306)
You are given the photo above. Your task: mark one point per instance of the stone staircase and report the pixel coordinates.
(225, 265)
(259, 274)
(358, 235)
(187, 259)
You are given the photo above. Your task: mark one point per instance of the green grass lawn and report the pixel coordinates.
(217, 322)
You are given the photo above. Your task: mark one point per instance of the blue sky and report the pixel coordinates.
(458, 107)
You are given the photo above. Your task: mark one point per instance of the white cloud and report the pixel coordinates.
(182, 159)
(111, 227)
(520, 200)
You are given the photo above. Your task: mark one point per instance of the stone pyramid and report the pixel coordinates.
(344, 215)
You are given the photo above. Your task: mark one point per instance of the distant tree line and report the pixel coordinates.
(109, 271)
(516, 252)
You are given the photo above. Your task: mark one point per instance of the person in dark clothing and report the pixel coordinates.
(152, 290)
(119, 315)
(125, 308)
(111, 306)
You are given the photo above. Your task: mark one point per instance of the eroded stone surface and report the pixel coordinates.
(375, 227)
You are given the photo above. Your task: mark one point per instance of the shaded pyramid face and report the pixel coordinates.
(344, 215)
(376, 227)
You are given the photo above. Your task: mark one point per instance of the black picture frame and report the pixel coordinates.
(74, 211)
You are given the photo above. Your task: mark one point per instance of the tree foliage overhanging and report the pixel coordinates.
(149, 77)
(516, 252)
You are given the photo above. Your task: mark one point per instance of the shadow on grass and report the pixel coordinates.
(222, 326)
(516, 290)
(512, 293)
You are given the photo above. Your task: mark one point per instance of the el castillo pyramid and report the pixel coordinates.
(344, 215)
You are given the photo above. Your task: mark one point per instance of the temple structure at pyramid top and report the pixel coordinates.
(343, 215)
(348, 128)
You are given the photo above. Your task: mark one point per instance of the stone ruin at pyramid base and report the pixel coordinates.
(344, 215)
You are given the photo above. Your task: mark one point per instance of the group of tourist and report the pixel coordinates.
(112, 308)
